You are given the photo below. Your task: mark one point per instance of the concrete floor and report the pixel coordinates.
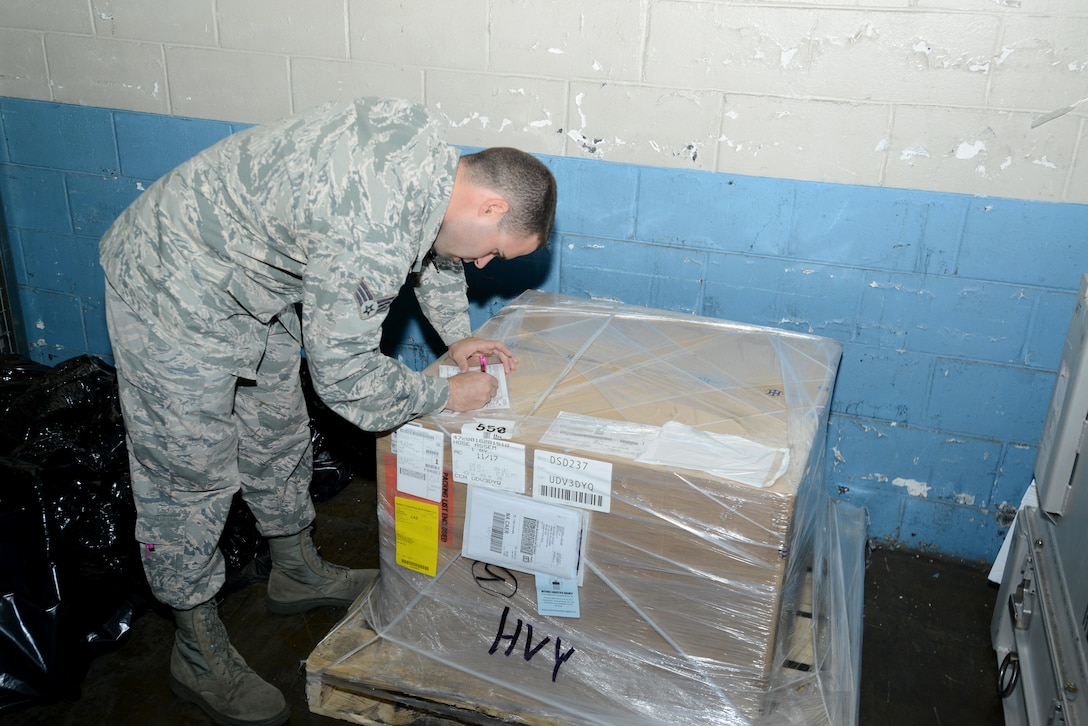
(926, 651)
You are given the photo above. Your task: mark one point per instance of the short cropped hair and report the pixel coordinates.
(524, 182)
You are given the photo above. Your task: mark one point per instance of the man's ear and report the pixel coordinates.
(494, 207)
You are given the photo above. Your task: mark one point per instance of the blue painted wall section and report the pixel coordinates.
(951, 309)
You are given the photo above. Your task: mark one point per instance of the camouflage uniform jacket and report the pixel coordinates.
(332, 209)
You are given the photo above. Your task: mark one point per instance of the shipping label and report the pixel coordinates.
(572, 480)
(514, 531)
(419, 462)
(489, 462)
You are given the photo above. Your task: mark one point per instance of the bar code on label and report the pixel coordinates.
(570, 495)
(528, 537)
(498, 524)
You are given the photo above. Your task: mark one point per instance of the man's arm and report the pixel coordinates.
(346, 296)
(442, 293)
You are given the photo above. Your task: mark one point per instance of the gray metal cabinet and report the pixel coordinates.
(1040, 624)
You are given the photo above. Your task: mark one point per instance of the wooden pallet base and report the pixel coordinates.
(345, 680)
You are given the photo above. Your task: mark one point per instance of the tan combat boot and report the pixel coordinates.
(205, 669)
(300, 580)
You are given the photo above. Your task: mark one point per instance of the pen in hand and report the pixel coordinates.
(483, 364)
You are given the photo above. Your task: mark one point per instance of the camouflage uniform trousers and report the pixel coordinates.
(197, 434)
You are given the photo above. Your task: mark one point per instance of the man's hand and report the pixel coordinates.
(469, 391)
(466, 354)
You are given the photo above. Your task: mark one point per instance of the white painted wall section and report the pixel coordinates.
(980, 97)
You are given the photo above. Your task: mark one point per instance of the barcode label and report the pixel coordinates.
(570, 496)
(498, 524)
(419, 462)
(528, 536)
(572, 480)
(515, 531)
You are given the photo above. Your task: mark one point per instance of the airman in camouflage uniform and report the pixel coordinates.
(327, 213)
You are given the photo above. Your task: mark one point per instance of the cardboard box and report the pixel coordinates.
(693, 561)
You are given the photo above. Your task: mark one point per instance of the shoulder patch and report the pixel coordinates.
(369, 305)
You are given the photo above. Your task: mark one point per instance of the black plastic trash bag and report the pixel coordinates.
(71, 580)
(72, 430)
(66, 505)
(34, 660)
(16, 374)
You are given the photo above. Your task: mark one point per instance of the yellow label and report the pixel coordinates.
(417, 535)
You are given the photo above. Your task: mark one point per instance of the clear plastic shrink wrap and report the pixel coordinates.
(703, 575)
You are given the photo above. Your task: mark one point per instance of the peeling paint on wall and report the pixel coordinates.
(1005, 514)
(871, 429)
(909, 154)
(914, 487)
(970, 150)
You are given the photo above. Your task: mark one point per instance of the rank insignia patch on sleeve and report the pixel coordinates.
(369, 306)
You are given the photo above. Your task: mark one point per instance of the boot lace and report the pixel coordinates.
(317, 564)
(221, 658)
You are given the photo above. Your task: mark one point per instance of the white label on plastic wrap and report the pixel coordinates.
(572, 480)
(600, 435)
(513, 531)
(730, 457)
(557, 597)
(502, 396)
(489, 428)
(489, 462)
(419, 462)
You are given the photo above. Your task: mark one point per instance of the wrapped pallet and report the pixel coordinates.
(637, 530)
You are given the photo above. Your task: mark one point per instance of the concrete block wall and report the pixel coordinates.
(952, 309)
(867, 171)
